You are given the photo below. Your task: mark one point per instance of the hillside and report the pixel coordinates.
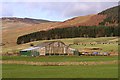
(12, 28)
(68, 41)
(111, 16)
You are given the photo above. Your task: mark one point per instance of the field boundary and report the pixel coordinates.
(57, 63)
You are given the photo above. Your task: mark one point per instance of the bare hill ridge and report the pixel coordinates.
(25, 20)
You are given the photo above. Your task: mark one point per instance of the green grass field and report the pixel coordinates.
(81, 71)
(61, 58)
(27, 71)
(105, 47)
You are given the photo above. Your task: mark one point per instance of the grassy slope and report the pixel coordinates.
(25, 71)
(106, 47)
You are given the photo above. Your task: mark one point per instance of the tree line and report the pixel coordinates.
(70, 32)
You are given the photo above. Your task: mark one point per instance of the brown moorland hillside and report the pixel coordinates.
(11, 33)
(12, 28)
(112, 16)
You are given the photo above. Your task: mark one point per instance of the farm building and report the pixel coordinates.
(32, 51)
(49, 48)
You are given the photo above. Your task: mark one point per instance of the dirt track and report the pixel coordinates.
(58, 63)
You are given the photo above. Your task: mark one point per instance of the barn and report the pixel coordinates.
(50, 48)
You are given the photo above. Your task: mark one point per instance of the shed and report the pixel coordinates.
(32, 51)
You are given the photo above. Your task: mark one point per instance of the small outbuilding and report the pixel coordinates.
(32, 51)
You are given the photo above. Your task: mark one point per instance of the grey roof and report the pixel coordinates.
(47, 43)
(43, 44)
(31, 48)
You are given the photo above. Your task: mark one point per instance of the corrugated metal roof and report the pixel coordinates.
(44, 44)
(47, 43)
(31, 48)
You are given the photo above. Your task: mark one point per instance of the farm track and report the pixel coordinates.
(57, 63)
